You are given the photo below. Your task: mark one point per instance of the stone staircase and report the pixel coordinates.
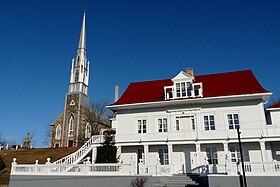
(77, 156)
(181, 180)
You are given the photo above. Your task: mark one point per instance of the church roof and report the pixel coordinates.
(214, 85)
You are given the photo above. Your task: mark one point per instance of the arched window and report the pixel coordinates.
(77, 76)
(58, 132)
(88, 131)
(71, 127)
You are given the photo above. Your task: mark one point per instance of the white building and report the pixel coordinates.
(190, 121)
(187, 124)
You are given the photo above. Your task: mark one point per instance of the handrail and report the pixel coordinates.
(75, 157)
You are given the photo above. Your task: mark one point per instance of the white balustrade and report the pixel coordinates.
(77, 156)
(73, 169)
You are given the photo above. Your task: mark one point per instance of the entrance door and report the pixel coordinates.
(70, 143)
(187, 167)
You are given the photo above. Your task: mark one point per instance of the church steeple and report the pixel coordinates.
(80, 66)
(82, 41)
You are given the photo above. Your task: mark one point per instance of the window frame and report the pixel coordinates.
(58, 132)
(209, 124)
(88, 131)
(233, 120)
(141, 126)
(162, 127)
(71, 128)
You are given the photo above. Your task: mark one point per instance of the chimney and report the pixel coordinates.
(190, 71)
(117, 90)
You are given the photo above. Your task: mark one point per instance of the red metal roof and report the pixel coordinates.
(220, 84)
(275, 105)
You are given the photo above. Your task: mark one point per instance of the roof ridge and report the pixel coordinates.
(221, 73)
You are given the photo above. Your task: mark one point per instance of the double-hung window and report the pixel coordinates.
(209, 122)
(142, 126)
(233, 121)
(178, 90)
(162, 125)
(177, 124)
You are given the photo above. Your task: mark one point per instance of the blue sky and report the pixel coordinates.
(127, 41)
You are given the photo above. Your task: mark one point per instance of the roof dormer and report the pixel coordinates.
(183, 86)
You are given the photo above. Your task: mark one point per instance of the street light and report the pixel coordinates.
(243, 181)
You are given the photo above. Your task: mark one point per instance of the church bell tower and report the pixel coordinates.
(68, 129)
(77, 95)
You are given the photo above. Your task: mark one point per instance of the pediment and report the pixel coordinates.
(182, 76)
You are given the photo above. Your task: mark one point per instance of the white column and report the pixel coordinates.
(269, 152)
(146, 151)
(94, 153)
(263, 151)
(198, 153)
(227, 158)
(170, 153)
(226, 151)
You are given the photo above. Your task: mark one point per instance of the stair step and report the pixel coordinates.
(180, 180)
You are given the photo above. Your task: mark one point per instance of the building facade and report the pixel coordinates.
(72, 127)
(190, 121)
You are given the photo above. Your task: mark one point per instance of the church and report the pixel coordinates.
(73, 126)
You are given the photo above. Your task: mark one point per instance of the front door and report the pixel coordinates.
(70, 143)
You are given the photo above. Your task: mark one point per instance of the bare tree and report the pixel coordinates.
(47, 136)
(97, 114)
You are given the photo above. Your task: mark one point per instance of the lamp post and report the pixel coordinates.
(242, 160)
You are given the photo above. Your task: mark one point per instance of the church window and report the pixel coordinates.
(58, 132)
(77, 76)
(88, 131)
(71, 127)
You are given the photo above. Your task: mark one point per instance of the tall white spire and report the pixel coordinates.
(82, 41)
(80, 66)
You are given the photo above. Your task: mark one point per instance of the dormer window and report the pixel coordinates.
(183, 87)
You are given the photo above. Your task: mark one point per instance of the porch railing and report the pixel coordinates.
(251, 168)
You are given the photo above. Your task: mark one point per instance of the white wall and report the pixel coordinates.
(251, 117)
